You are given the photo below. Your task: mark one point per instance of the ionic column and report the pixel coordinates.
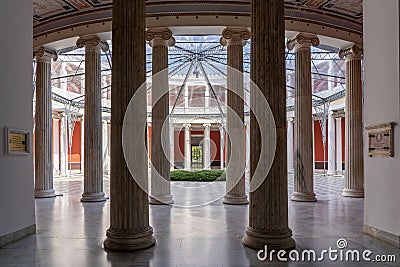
(207, 146)
(188, 147)
(106, 148)
(303, 136)
(43, 124)
(354, 178)
(339, 163)
(290, 147)
(159, 40)
(172, 145)
(64, 145)
(221, 146)
(129, 205)
(268, 209)
(331, 144)
(56, 143)
(93, 158)
(235, 38)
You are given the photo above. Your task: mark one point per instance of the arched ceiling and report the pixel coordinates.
(55, 17)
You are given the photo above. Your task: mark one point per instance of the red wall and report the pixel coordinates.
(215, 150)
(319, 154)
(318, 146)
(75, 156)
(179, 146)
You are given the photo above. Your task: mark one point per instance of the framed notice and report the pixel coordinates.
(17, 142)
(380, 140)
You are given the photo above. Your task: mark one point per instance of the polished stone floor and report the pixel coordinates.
(198, 231)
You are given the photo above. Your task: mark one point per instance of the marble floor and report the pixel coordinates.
(198, 231)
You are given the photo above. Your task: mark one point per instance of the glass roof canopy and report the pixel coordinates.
(202, 59)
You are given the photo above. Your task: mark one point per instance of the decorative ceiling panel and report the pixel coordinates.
(47, 9)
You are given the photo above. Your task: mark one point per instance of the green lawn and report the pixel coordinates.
(198, 176)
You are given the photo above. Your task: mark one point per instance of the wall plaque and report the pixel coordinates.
(18, 142)
(380, 140)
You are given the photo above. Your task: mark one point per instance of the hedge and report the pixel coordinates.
(198, 176)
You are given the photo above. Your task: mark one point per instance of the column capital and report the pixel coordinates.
(339, 114)
(302, 40)
(92, 41)
(235, 36)
(160, 37)
(57, 116)
(187, 125)
(44, 54)
(338, 118)
(207, 125)
(353, 52)
(290, 119)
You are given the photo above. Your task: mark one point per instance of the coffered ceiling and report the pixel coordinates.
(53, 15)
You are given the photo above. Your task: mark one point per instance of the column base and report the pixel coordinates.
(45, 193)
(356, 193)
(331, 173)
(93, 197)
(235, 200)
(161, 200)
(258, 240)
(120, 240)
(301, 197)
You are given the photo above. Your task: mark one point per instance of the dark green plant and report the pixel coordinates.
(198, 176)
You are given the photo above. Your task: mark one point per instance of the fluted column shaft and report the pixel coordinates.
(303, 136)
(339, 164)
(64, 145)
(106, 148)
(129, 206)
(290, 145)
(159, 40)
(268, 210)
(207, 146)
(331, 144)
(235, 39)
(93, 138)
(43, 125)
(188, 147)
(354, 178)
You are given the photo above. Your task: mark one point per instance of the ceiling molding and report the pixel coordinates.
(55, 20)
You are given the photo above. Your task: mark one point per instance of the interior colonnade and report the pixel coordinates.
(268, 211)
